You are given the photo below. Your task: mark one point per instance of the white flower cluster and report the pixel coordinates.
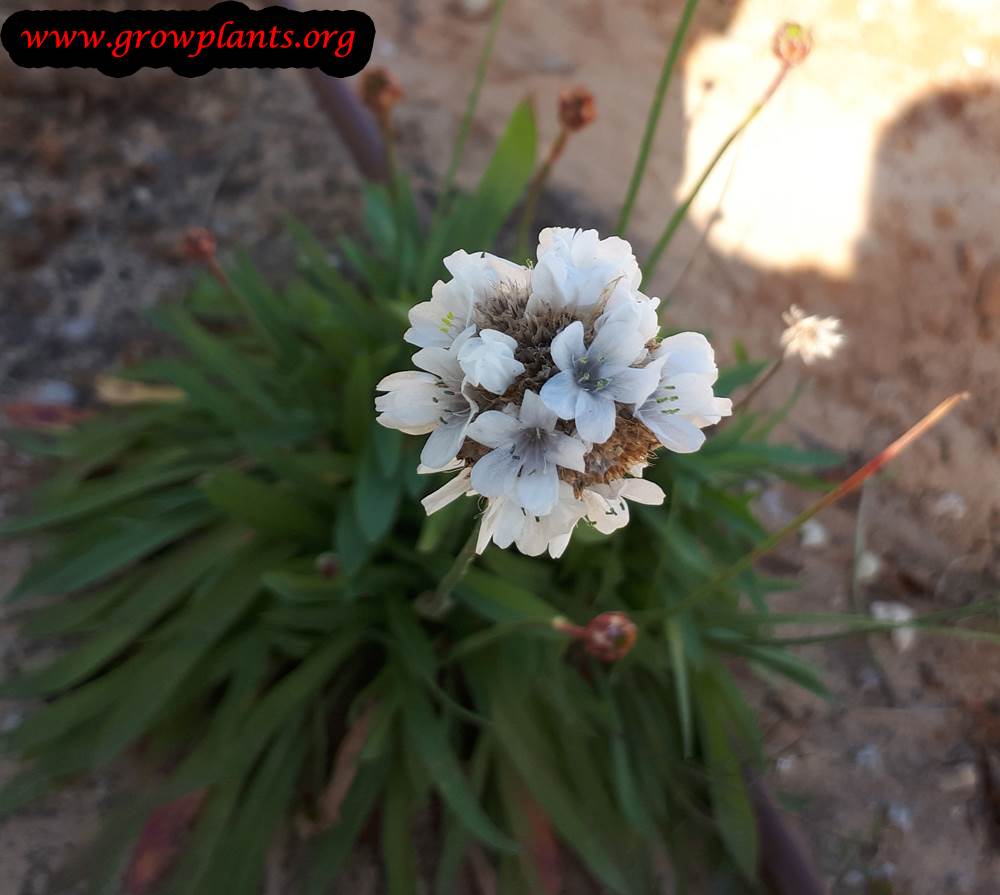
(810, 337)
(547, 389)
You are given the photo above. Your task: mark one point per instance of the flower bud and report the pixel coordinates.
(198, 244)
(328, 564)
(792, 43)
(380, 91)
(577, 108)
(609, 636)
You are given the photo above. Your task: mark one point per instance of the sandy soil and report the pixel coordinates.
(867, 189)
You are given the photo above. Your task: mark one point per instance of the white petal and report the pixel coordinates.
(457, 487)
(510, 523)
(674, 431)
(445, 442)
(568, 345)
(493, 428)
(535, 414)
(560, 394)
(688, 353)
(634, 384)
(606, 511)
(494, 475)
(430, 470)
(442, 362)
(595, 416)
(405, 379)
(642, 491)
(616, 344)
(566, 451)
(538, 490)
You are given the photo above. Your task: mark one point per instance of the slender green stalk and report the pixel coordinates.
(438, 602)
(653, 118)
(681, 211)
(458, 149)
(849, 484)
(762, 380)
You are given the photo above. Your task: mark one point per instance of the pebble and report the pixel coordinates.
(900, 817)
(959, 778)
(17, 205)
(813, 534)
(869, 758)
(53, 392)
(786, 764)
(77, 329)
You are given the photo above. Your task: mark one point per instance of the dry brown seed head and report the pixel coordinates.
(577, 108)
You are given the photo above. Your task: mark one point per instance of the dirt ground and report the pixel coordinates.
(869, 189)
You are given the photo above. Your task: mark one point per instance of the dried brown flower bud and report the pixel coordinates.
(792, 43)
(609, 636)
(380, 91)
(577, 108)
(198, 244)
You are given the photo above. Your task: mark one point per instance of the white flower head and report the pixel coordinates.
(488, 361)
(810, 337)
(546, 390)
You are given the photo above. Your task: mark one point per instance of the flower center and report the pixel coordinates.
(588, 374)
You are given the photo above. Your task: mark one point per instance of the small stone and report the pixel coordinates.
(17, 205)
(869, 758)
(786, 764)
(813, 534)
(950, 505)
(77, 329)
(868, 567)
(474, 8)
(962, 777)
(53, 392)
(142, 196)
(900, 817)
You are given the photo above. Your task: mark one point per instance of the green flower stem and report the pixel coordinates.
(849, 484)
(681, 211)
(534, 191)
(438, 602)
(470, 110)
(653, 118)
(758, 385)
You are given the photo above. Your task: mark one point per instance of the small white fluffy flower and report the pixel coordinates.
(810, 337)
(546, 390)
